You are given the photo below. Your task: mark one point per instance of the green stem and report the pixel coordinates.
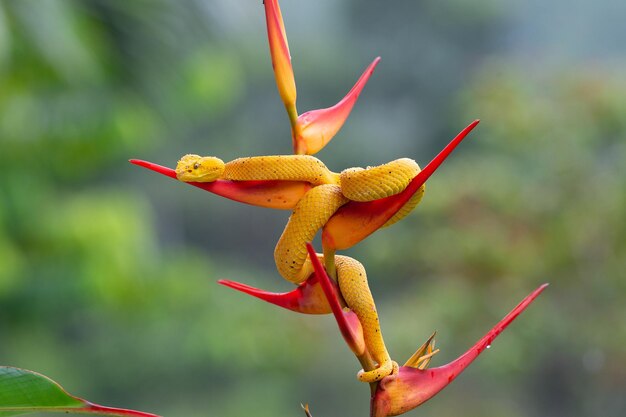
(329, 262)
(292, 112)
(367, 363)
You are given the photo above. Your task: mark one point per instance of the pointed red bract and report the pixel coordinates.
(111, 411)
(281, 58)
(282, 195)
(400, 393)
(307, 298)
(355, 221)
(348, 322)
(316, 128)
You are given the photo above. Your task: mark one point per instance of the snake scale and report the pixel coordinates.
(329, 192)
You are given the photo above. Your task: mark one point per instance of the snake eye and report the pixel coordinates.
(196, 165)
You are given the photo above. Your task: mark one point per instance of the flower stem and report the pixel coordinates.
(329, 262)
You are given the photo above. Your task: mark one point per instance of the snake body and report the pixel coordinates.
(310, 215)
(330, 191)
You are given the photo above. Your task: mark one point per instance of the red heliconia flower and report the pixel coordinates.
(282, 195)
(312, 130)
(315, 128)
(307, 298)
(281, 58)
(414, 384)
(348, 322)
(355, 221)
(397, 394)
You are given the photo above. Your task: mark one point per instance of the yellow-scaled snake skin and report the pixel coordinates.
(330, 191)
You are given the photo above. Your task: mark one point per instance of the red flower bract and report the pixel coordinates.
(400, 393)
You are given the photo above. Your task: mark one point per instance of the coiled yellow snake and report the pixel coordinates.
(329, 192)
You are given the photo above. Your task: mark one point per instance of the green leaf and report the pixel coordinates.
(23, 391)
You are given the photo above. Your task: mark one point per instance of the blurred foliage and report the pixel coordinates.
(107, 272)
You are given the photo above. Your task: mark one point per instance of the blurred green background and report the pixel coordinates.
(107, 271)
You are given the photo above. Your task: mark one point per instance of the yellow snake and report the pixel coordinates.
(330, 191)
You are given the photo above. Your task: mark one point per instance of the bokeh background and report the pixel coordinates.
(107, 271)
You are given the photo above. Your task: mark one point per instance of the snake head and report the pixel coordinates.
(196, 168)
(414, 384)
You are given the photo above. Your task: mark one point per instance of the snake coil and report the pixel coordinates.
(330, 191)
